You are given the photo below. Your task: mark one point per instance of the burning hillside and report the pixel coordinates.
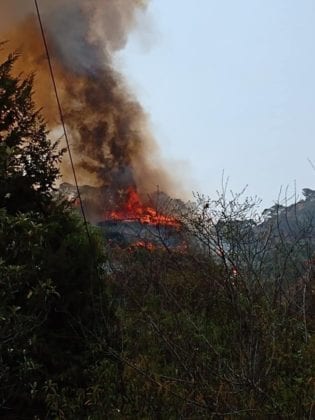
(141, 225)
(107, 127)
(134, 209)
(127, 219)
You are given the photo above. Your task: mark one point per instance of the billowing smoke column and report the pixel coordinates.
(108, 128)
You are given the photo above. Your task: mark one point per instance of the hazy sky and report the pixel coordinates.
(230, 85)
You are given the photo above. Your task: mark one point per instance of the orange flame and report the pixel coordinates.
(133, 209)
(146, 245)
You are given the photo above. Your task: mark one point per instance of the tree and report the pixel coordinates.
(28, 160)
(308, 194)
(50, 289)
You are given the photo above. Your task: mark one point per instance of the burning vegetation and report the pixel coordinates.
(148, 228)
(130, 219)
(109, 134)
(133, 209)
(99, 333)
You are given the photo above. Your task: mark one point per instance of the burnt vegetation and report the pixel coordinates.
(220, 327)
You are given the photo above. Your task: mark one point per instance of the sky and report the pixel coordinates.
(230, 88)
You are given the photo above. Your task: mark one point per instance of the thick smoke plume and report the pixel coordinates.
(108, 128)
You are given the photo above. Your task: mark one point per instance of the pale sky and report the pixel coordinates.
(230, 85)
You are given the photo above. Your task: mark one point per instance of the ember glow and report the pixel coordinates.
(144, 244)
(134, 209)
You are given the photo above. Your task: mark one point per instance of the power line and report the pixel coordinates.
(61, 116)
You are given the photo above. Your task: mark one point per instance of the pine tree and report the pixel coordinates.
(28, 160)
(49, 283)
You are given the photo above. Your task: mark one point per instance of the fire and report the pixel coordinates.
(133, 209)
(146, 245)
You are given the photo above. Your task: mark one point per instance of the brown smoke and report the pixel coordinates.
(107, 126)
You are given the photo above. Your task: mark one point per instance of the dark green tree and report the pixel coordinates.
(50, 288)
(28, 160)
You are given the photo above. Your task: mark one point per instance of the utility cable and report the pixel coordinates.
(62, 120)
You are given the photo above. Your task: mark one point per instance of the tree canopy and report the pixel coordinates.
(28, 160)
(48, 264)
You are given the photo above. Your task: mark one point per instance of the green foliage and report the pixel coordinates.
(50, 285)
(91, 333)
(48, 281)
(27, 158)
(196, 346)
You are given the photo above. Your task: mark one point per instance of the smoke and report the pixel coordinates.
(107, 126)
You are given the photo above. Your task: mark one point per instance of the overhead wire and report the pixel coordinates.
(62, 120)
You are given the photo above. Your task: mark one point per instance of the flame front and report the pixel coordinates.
(134, 209)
